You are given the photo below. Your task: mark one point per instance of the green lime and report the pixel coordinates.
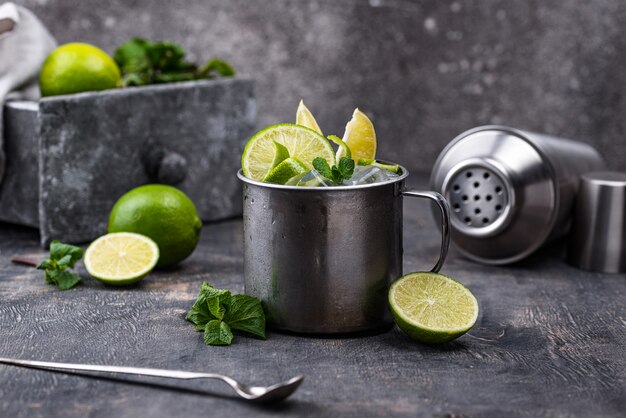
(432, 308)
(281, 154)
(77, 67)
(302, 143)
(286, 170)
(162, 213)
(394, 168)
(121, 258)
(343, 150)
(360, 137)
(304, 117)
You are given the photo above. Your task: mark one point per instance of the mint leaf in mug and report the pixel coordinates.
(346, 167)
(322, 167)
(335, 173)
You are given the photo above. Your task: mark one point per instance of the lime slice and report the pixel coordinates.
(360, 137)
(432, 308)
(304, 117)
(286, 170)
(121, 258)
(394, 168)
(302, 143)
(282, 153)
(343, 150)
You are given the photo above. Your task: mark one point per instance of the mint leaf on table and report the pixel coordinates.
(143, 62)
(62, 258)
(199, 313)
(217, 312)
(65, 254)
(245, 313)
(66, 280)
(217, 300)
(217, 333)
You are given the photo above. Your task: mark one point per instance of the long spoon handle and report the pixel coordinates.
(139, 371)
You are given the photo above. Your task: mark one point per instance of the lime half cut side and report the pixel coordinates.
(121, 258)
(432, 308)
(303, 143)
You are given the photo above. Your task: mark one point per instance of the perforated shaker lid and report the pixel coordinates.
(501, 191)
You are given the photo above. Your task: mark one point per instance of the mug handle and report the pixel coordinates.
(445, 221)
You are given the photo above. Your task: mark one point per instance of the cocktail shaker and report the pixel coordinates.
(510, 191)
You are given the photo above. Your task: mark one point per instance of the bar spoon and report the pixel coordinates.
(261, 394)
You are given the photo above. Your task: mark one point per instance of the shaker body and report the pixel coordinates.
(511, 191)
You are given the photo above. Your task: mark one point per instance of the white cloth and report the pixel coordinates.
(24, 45)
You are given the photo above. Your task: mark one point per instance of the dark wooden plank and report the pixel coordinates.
(550, 341)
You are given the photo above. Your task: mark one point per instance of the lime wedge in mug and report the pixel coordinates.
(285, 171)
(360, 136)
(302, 143)
(304, 117)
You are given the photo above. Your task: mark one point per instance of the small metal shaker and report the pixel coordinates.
(321, 259)
(511, 191)
(597, 241)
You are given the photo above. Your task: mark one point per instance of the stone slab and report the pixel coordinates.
(93, 147)
(19, 189)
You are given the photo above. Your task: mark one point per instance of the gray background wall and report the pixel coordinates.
(423, 70)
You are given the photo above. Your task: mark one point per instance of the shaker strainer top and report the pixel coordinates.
(510, 191)
(480, 197)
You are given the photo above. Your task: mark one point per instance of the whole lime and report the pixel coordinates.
(162, 213)
(78, 67)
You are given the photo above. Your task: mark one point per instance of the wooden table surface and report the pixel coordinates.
(550, 341)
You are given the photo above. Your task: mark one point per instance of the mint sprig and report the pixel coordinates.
(217, 312)
(62, 258)
(143, 62)
(336, 173)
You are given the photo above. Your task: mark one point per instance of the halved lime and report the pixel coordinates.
(360, 137)
(286, 170)
(302, 143)
(304, 117)
(121, 258)
(432, 308)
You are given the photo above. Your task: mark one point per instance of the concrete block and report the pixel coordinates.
(93, 147)
(19, 189)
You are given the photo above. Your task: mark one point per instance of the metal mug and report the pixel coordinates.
(321, 259)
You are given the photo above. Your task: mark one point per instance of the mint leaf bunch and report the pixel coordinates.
(336, 173)
(217, 312)
(143, 62)
(62, 258)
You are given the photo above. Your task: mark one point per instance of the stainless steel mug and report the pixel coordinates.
(511, 191)
(321, 259)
